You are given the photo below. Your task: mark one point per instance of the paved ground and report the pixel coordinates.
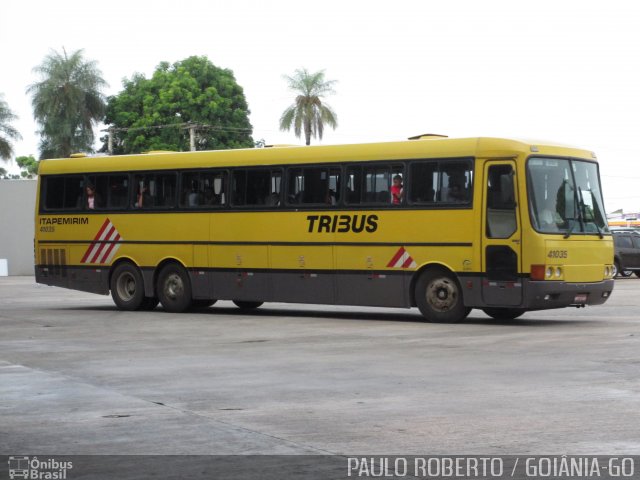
(79, 377)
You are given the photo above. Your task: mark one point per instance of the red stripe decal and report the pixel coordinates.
(102, 245)
(407, 263)
(86, 254)
(108, 250)
(396, 257)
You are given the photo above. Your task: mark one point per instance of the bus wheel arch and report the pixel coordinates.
(126, 284)
(438, 293)
(417, 273)
(173, 285)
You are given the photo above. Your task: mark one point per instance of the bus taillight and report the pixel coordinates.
(537, 272)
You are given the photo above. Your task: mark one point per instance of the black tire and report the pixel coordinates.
(638, 273)
(149, 303)
(247, 305)
(174, 288)
(202, 303)
(626, 273)
(616, 268)
(439, 297)
(503, 313)
(127, 287)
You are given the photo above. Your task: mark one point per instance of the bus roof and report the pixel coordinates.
(482, 147)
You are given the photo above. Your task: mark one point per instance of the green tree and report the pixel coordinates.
(309, 113)
(28, 165)
(156, 113)
(67, 103)
(7, 132)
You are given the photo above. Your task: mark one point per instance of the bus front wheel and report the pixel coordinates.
(503, 313)
(439, 297)
(174, 288)
(127, 287)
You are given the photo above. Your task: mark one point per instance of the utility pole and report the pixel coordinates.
(192, 137)
(110, 140)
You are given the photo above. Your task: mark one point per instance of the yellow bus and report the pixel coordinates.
(445, 225)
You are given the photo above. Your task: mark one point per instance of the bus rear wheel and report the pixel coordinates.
(503, 313)
(439, 297)
(127, 287)
(247, 305)
(174, 288)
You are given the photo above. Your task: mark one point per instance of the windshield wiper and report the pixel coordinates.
(573, 225)
(600, 232)
(582, 211)
(579, 218)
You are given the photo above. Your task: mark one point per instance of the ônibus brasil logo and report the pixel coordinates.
(32, 467)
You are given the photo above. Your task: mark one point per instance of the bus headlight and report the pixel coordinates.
(558, 272)
(549, 272)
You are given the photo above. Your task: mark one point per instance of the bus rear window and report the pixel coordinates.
(63, 192)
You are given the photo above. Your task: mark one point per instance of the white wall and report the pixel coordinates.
(17, 210)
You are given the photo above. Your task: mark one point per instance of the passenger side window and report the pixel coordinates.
(456, 180)
(203, 189)
(313, 186)
(155, 190)
(106, 192)
(424, 182)
(63, 192)
(354, 185)
(441, 181)
(501, 205)
(259, 187)
(378, 184)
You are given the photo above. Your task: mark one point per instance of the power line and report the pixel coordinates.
(185, 125)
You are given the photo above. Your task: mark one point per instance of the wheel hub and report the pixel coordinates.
(442, 294)
(173, 287)
(126, 286)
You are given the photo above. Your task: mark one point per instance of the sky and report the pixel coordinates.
(566, 71)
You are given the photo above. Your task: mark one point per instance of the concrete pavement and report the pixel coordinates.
(79, 377)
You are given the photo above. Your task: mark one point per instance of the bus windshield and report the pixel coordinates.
(565, 196)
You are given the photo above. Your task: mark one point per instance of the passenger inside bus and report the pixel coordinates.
(92, 199)
(143, 199)
(397, 190)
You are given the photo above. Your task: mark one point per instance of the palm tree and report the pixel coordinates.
(67, 102)
(7, 132)
(308, 112)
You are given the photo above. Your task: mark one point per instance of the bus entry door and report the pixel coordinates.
(501, 239)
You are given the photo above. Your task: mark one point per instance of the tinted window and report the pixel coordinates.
(63, 192)
(622, 241)
(106, 192)
(260, 187)
(154, 190)
(376, 184)
(203, 189)
(314, 185)
(636, 241)
(446, 181)
(424, 182)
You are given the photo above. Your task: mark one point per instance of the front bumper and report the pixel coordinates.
(539, 295)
